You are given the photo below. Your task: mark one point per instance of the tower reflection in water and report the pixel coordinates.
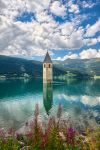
(47, 96)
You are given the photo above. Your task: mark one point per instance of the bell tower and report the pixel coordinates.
(47, 69)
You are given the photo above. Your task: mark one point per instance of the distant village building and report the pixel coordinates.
(47, 69)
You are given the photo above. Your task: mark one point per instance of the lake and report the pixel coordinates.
(80, 100)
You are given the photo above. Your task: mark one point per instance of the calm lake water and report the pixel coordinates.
(80, 100)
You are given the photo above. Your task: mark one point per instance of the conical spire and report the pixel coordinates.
(47, 58)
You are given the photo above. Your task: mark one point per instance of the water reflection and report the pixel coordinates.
(18, 99)
(47, 96)
(13, 88)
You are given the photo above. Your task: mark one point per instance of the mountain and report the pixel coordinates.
(11, 67)
(89, 67)
(18, 67)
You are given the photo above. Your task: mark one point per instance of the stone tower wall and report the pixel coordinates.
(47, 72)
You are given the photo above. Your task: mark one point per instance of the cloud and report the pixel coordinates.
(74, 8)
(43, 32)
(89, 53)
(67, 28)
(58, 9)
(11, 9)
(86, 4)
(89, 100)
(70, 98)
(72, 41)
(93, 29)
(85, 54)
(38, 35)
(69, 56)
(43, 17)
(25, 39)
(98, 39)
(86, 100)
(91, 41)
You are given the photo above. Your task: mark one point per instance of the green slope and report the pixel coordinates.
(89, 67)
(18, 67)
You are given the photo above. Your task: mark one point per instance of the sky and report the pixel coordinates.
(66, 28)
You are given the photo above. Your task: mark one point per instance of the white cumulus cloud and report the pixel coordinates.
(91, 41)
(43, 32)
(58, 9)
(93, 29)
(69, 56)
(89, 53)
(74, 8)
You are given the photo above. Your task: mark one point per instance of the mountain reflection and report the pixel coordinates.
(13, 88)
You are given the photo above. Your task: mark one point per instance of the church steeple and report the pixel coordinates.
(47, 58)
(47, 69)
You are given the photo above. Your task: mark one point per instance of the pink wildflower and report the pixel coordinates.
(59, 112)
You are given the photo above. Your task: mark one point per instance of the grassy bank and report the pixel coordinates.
(54, 134)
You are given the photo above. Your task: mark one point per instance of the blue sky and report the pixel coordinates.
(66, 28)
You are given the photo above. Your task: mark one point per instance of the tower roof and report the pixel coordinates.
(47, 58)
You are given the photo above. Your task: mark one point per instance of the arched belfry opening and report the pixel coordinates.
(47, 69)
